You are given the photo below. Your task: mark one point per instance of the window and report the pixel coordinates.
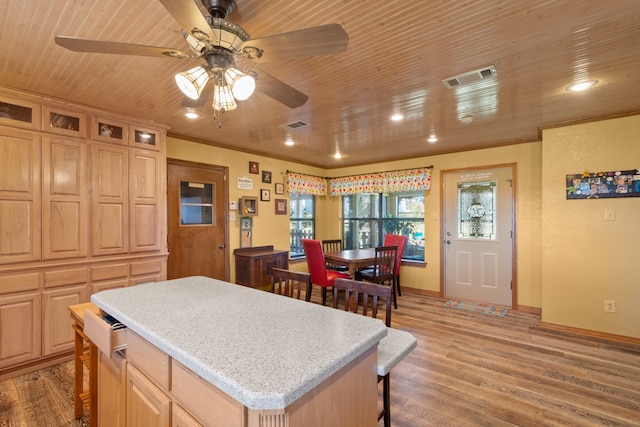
(196, 203)
(367, 218)
(302, 223)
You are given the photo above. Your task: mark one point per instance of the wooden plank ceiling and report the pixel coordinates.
(399, 53)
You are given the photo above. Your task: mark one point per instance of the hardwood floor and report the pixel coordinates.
(42, 398)
(467, 370)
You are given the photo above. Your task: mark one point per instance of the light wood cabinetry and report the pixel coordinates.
(145, 184)
(58, 335)
(82, 209)
(109, 202)
(147, 405)
(19, 196)
(19, 328)
(64, 198)
(112, 374)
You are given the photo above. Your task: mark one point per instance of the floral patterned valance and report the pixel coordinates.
(306, 184)
(381, 182)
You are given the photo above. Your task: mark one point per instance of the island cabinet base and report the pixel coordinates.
(346, 399)
(162, 392)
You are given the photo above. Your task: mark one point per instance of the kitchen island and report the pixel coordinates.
(215, 353)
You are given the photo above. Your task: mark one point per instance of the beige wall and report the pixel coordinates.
(586, 259)
(569, 260)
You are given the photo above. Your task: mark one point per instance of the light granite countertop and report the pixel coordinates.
(262, 349)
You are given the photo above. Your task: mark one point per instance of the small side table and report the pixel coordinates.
(85, 355)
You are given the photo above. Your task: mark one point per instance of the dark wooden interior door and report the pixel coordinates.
(197, 220)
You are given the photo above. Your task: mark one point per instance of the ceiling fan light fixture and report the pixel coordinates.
(584, 85)
(192, 82)
(242, 85)
(223, 99)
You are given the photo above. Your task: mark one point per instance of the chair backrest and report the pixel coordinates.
(356, 297)
(290, 283)
(384, 266)
(332, 245)
(396, 240)
(315, 261)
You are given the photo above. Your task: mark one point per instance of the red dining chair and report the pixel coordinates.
(318, 268)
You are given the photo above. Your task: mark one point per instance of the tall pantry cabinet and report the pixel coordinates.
(82, 209)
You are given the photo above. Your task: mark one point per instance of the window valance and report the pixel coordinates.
(376, 182)
(382, 182)
(306, 184)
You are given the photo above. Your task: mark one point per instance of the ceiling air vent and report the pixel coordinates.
(470, 77)
(294, 125)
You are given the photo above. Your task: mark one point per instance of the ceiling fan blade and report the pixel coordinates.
(189, 16)
(322, 40)
(99, 46)
(278, 90)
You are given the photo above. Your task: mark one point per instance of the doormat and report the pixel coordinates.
(477, 307)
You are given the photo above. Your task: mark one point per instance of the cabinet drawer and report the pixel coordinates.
(105, 336)
(149, 359)
(204, 401)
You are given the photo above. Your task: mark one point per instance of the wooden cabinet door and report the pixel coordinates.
(112, 374)
(58, 334)
(147, 405)
(64, 198)
(109, 201)
(19, 196)
(146, 200)
(180, 418)
(20, 328)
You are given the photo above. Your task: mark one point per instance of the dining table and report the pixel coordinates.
(353, 259)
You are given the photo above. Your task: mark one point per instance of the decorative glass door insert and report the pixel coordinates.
(476, 210)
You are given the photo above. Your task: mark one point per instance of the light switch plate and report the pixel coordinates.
(233, 206)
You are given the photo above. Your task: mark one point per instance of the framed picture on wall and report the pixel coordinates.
(245, 232)
(279, 188)
(265, 195)
(266, 177)
(281, 206)
(254, 167)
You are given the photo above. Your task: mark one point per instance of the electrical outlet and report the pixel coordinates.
(609, 306)
(609, 214)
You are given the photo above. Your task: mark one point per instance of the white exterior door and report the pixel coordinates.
(478, 241)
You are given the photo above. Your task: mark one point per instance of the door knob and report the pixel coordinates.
(221, 246)
(448, 242)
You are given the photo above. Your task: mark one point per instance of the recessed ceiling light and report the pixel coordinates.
(397, 117)
(576, 87)
(337, 155)
(432, 138)
(289, 142)
(191, 115)
(468, 118)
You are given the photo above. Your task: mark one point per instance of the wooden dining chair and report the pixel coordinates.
(400, 241)
(317, 267)
(384, 269)
(357, 296)
(333, 245)
(290, 283)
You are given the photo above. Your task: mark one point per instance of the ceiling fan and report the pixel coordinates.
(220, 43)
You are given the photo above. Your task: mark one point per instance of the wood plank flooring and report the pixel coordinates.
(467, 370)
